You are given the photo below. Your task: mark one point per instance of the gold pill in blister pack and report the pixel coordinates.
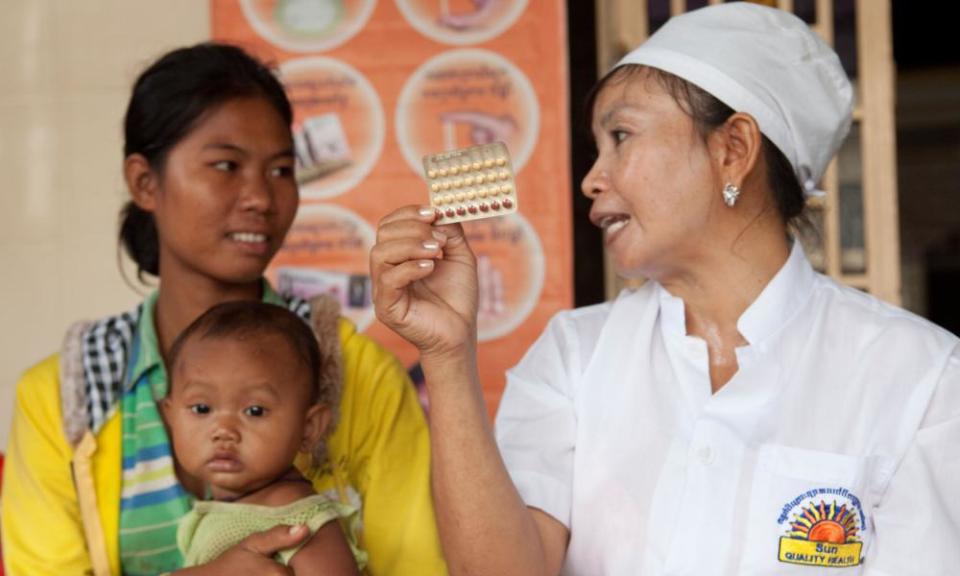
(471, 183)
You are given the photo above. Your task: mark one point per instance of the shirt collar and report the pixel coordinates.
(773, 308)
(270, 296)
(147, 349)
(780, 300)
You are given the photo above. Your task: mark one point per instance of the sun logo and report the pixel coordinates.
(820, 534)
(823, 523)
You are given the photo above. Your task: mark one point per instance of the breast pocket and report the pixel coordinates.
(809, 512)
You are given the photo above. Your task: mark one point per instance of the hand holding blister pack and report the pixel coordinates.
(471, 183)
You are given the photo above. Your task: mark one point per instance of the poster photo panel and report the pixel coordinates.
(378, 84)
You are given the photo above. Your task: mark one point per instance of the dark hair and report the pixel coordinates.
(251, 320)
(169, 98)
(708, 113)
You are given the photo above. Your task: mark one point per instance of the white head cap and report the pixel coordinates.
(767, 63)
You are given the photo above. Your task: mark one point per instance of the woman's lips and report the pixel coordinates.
(251, 242)
(611, 225)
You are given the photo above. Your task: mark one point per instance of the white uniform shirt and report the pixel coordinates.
(835, 449)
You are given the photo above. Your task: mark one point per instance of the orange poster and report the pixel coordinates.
(378, 84)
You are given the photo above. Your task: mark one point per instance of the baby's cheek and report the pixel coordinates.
(183, 434)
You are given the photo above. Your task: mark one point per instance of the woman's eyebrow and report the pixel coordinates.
(284, 153)
(224, 146)
(616, 110)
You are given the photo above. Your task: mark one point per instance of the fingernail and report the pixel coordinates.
(439, 235)
(296, 529)
(426, 211)
(431, 245)
(425, 263)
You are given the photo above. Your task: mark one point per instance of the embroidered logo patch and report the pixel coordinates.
(822, 527)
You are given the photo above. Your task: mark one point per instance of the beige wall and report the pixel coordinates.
(65, 73)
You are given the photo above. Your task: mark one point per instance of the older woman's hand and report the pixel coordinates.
(425, 282)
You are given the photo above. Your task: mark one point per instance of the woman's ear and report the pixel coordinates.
(738, 145)
(317, 421)
(141, 181)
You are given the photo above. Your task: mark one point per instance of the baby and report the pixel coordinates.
(247, 394)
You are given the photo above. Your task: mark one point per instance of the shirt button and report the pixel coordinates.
(705, 454)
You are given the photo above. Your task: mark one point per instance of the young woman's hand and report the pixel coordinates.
(253, 555)
(326, 554)
(425, 282)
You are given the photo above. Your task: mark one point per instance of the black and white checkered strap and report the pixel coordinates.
(106, 348)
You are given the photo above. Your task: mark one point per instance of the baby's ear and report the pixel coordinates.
(316, 423)
(166, 408)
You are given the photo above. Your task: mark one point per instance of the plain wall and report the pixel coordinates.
(66, 68)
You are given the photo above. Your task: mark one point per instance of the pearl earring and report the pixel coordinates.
(730, 194)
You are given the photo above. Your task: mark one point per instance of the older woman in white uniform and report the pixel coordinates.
(739, 413)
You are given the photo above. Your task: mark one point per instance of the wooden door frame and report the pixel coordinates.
(622, 24)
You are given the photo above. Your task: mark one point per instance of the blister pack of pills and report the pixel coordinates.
(471, 183)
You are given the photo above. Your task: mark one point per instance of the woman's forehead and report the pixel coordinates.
(634, 93)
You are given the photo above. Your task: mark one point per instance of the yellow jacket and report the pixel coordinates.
(61, 502)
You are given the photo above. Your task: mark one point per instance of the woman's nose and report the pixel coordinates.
(595, 182)
(257, 195)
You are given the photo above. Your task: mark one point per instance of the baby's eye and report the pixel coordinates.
(255, 411)
(618, 136)
(200, 409)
